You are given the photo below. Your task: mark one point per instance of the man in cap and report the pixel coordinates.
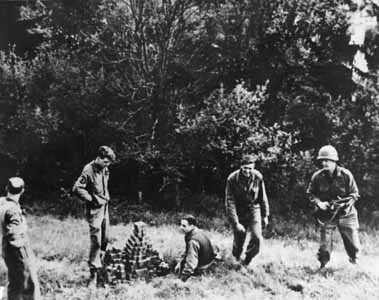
(92, 187)
(331, 185)
(18, 256)
(199, 253)
(247, 207)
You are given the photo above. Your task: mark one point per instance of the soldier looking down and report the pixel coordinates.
(333, 192)
(247, 207)
(92, 187)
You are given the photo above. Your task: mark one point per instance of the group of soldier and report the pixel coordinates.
(247, 210)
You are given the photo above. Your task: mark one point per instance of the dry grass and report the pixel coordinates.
(285, 269)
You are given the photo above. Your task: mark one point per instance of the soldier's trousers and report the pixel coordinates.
(348, 227)
(98, 221)
(22, 275)
(253, 224)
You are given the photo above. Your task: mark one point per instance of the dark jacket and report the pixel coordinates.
(199, 252)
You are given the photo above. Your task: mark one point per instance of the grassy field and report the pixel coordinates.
(285, 269)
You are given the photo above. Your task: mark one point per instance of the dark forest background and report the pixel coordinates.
(181, 89)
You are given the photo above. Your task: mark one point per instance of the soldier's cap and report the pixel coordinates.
(248, 159)
(15, 185)
(106, 152)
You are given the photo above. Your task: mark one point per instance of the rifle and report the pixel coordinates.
(325, 217)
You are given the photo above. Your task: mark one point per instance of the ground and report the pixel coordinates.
(285, 269)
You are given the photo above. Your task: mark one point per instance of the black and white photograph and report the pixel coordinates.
(189, 149)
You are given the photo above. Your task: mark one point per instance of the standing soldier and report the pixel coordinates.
(331, 184)
(92, 187)
(246, 206)
(18, 256)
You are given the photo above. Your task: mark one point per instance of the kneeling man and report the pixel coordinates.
(199, 253)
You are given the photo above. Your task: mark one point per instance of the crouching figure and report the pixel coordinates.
(199, 254)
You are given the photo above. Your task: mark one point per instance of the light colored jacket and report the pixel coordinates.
(92, 184)
(242, 196)
(325, 187)
(13, 227)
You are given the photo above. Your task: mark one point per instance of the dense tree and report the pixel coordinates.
(182, 88)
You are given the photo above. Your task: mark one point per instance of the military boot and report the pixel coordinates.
(102, 278)
(323, 257)
(92, 282)
(353, 260)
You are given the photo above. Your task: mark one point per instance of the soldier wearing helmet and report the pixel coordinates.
(92, 187)
(18, 256)
(247, 207)
(331, 183)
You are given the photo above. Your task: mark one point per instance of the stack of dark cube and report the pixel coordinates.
(114, 264)
(137, 260)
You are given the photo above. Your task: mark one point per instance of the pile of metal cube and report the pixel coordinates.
(137, 260)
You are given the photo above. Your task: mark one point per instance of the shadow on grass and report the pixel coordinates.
(324, 272)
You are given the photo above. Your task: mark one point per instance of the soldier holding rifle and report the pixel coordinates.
(333, 192)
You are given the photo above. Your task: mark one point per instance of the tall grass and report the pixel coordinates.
(285, 268)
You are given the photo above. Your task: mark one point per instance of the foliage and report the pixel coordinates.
(181, 89)
(227, 126)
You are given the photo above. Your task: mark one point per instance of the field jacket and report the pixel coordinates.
(199, 252)
(243, 195)
(326, 188)
(13, 230)
(92, 184)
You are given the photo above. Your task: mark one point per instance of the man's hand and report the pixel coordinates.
(322, 205)
(177, 268)
(240, 228)
(98, 201)
(265, 222)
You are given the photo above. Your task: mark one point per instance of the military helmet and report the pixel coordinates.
(328, 152)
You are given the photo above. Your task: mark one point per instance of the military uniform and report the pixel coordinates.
(198, 255)
(92, 187)
(18, 256)
(246, 203)
(325, 188)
